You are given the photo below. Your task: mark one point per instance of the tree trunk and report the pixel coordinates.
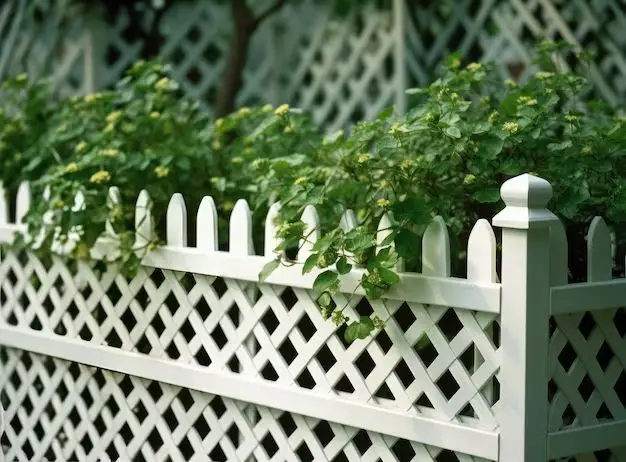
(232, 77)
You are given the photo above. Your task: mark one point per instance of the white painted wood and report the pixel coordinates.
(591, 296)
(177, 221)
(481, 253)
(599, 259)
(143, 220)
(457, 437)
(206, 225)
(271, 239)
(436, 249)
(23, 202)
(525, 224)
(587, 439)
(240, 232)
(558, 253)
(312, 232)
(384, 230)
(412, 287)
(114, 198)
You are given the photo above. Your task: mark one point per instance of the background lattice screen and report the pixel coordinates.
(340, 68)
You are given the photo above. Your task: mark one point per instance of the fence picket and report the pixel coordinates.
(23, 202)
(271, 240)
(386, 222)
(240, 232)
(481, 253)
(206, 225)
(436, 249)
(311, 232)
(143, 220)
(599, 261)
(558, 254)
(4, 206)
(177, 221)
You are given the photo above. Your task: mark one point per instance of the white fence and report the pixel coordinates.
(194, 359)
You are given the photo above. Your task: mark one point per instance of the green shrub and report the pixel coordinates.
(465, 135)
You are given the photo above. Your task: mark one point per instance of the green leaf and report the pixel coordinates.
(407, 244)
(343, 266)
(309, 263)
(487, 195)
(326, 281)
(268, 269)
(412, 210)
(453, 132)
(491, 147)
(385, 113)
(324, 300)
(388, 276)
(359, 329)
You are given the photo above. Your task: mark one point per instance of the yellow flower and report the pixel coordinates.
(455, 64)
(217, 145)
(510, 127)
(289, 129)
(161, 171)
(155, 115)
(237, 160)
(384, 183)
(531, 102)
(406, 164)
(114, 116)
(522, 99)
(469, 179)
(23, 77)
(162, 83)
(362, 158)
(81, 146)
(109, 128)
(100, 177)
(244, 111)
(92, 97)
(510, 83)
(397, 127)
(267, 108)
(219, 122)
(383, 202)
(110, 152)
(282, 110)
(542, 75)
(473, 67)
(300, 180)
(71, 167)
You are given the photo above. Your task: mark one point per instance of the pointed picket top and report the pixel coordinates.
(271, 240)
(240, 232)
(206, 225)
(177, 221)
(526, 197)
(481, 253)
(558, 254)
(114, 198)
(311, 231)
(348, 221)
(383, 231)
(143, 219)
(4, 206)
(599, 261)
(436, 249)
(23, 202)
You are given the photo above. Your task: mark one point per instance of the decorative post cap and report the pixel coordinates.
(525, 198)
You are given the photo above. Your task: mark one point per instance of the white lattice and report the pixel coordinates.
(65, 411)
(276, 334)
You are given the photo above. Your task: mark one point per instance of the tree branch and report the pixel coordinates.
(267, 13)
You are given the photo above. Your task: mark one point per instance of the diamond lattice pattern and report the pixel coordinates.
(436, 361)
(56, 410)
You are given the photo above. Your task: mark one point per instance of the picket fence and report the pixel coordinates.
(193, 359)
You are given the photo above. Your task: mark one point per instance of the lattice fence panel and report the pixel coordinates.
(588, 370)
(65, 411)
(443, 363)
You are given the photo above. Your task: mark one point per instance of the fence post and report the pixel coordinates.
(525, 224)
